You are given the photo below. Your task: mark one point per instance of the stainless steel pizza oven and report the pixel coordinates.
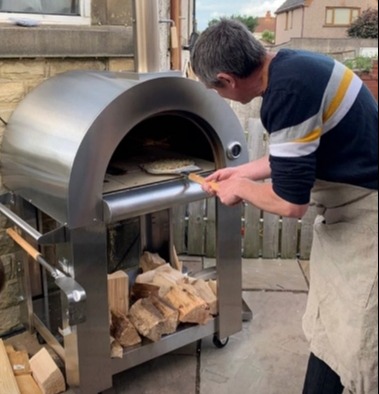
(71, 161)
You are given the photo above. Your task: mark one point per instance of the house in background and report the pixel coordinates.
(317, 18)
(266, 23)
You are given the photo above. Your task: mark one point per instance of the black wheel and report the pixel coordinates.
(220, 343)
(40, 339)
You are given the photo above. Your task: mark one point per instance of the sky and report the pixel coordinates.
(206, 10)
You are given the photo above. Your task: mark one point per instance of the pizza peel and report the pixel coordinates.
(188, 171)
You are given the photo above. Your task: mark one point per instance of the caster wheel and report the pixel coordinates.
(40, 339)
(220, 343)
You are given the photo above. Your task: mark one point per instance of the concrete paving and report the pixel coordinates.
(269, 355)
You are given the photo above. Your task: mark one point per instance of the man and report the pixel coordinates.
(322, 123)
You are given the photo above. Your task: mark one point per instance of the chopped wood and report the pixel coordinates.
(118, 292)
(9, 349)
(164, 281)
(170, 315)
(147, 319)
(20, 362)
(165, 277)
(144, 290)
(27, 385)
(146, 277)
(150, 261)
(168, 269)
(206, 293)
(191, 307)
(8, 383)
(213, 285)
(176, 263)
(46, 373)
(124, 331)
(117, 351)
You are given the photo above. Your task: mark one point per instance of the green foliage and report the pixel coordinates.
(365, 26)
(268, 36)
(250, 21)
(360, 63)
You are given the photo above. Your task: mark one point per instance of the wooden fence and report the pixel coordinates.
(263, 234)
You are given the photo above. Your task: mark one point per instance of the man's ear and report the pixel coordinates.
(227, 80)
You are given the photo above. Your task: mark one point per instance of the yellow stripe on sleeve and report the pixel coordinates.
(341, 92)
(312, 136)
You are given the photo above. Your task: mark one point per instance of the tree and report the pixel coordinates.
(268, 36)
(250, 21)
(365, 26)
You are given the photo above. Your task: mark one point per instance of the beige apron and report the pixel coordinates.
(341, 320)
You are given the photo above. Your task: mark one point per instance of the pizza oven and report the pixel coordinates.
(72, 159)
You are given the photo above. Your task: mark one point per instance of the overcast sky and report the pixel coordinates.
(210, 9)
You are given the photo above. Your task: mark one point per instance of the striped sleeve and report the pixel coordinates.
(304, 138)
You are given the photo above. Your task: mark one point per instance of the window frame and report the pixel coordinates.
(333, 9)
(46, 19)
(289, 20)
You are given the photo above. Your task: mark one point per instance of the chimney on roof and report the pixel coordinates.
(268, 14)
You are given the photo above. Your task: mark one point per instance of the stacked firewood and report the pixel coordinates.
(161, 299)
(20, 374)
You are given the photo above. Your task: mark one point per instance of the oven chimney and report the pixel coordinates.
(146, 36)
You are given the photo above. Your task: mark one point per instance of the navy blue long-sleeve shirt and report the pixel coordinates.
(323, 124)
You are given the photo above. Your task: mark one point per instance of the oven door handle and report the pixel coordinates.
(75, 295)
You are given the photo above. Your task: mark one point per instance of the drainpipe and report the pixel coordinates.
(302, 23)
(176, 55)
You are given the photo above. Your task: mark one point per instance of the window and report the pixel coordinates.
(341, 16)
(46, 11)
(289, 20)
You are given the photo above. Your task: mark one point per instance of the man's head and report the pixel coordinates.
(226, 51)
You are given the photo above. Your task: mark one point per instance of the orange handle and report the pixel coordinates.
(25, 245)
(201, 180)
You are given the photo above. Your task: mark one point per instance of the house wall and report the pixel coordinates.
(295, 28)
(310, 21)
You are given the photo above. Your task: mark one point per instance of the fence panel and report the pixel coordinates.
(289, 238)
(196, 228)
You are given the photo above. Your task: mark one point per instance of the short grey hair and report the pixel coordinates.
(228, 47)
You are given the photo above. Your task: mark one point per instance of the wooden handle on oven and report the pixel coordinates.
(25, 245)
(201, 180)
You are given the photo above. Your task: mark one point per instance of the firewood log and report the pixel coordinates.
(206, 293)
(170, 315)
(213, 285)
(118, 292)
(124, 331)
(150, 261)
(143, 290)
(46, 373)
(147, 319)
(192, 308)
(117, 351)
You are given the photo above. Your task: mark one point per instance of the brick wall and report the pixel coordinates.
(371, 79)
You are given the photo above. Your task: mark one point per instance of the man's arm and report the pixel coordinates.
(256, 170)
(261, 195)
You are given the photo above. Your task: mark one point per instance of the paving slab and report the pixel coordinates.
(275, 275)
(169, 374)
(269, 356)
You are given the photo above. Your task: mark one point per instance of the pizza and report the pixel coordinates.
(166, 166)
